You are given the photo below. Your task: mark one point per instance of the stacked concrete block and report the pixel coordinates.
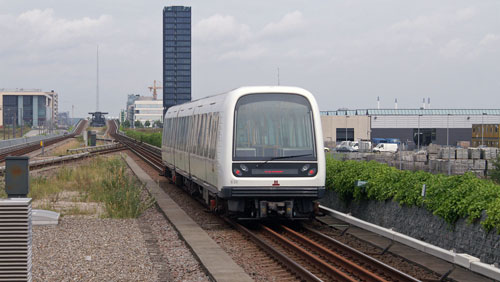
(474, 153)
(420, 166)
(478, 173)
(433, 165)
(420, 157)
(432, 156)
(447, 152)
(457, 167)
(489, 153)
(407, 156)
(462, 153)
(433, 149)
(479, 165)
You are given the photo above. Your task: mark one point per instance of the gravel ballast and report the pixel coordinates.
(89, 248)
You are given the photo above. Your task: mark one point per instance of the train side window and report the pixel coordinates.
(189, 134)
(199, 150)
(206, 132)
(181, 133)
(213, 140)
(208, 147)
(195, 134)
(184, 133)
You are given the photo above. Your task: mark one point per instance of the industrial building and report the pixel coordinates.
(485, 135)
(176, 56)
(414, 127)
(28, 106)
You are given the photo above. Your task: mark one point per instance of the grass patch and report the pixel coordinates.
(449, 197)
(150, 136)
(63, 149)
(103, 180)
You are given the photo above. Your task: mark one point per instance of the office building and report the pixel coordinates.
(148, 109)
(28, 106)
(176, 56)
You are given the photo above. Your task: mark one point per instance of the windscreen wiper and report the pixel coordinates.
(283, 157)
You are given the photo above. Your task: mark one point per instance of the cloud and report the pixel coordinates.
(489, 39)
(466, 13)
(234, 40)
(452, 49)
(290, 23)
(221, 27)
(35, 33)
(251, 52)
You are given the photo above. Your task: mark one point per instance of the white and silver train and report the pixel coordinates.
(253, 153)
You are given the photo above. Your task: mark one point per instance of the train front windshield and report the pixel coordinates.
(273, 126)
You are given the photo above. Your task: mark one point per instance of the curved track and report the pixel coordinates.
(22, 150)
(150, 154)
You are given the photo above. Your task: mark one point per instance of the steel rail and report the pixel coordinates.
(147, 154)
(291, 265)
(363, 259)
(339, 260)
(330, 270)
(33, 147)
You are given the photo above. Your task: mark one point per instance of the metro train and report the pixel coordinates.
(251, 153)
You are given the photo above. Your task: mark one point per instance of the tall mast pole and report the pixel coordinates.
(97, 84)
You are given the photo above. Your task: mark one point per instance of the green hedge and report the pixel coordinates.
(153, 138)
(450, 197)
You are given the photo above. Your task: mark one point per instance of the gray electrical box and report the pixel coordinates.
(17, 176)
(93, 139)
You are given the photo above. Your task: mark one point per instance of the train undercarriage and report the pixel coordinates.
(254, 203)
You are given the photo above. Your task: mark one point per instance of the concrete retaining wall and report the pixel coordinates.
(423, 225)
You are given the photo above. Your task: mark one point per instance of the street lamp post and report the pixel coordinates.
(448, 142)
(482, 129)
(418, 135)
(346, 126)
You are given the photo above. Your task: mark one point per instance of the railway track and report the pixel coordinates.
(313, 256)
(22, 150)
(306, 253)
(146, 152)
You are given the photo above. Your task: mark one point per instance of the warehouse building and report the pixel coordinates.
(28, 106)
(412, 126)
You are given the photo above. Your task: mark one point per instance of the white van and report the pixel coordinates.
(386, 147)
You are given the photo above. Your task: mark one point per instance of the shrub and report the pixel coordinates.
(450, 197)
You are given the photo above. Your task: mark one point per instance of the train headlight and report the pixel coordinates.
(244, 167)
(237, 172)
(312, 171)
(305, 167)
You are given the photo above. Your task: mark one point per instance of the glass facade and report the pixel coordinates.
(176, 56)
(27, 106)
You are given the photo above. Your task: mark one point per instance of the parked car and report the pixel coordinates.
(347, 146)
(386, 147)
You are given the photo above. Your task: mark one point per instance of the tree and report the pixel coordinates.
(147, 123)
(158, 124)
(138, 124)
(126, 124)
(495, 170)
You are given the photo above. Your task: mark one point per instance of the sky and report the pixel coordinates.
(347, 53)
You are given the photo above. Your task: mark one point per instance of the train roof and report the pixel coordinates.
(215, 101)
